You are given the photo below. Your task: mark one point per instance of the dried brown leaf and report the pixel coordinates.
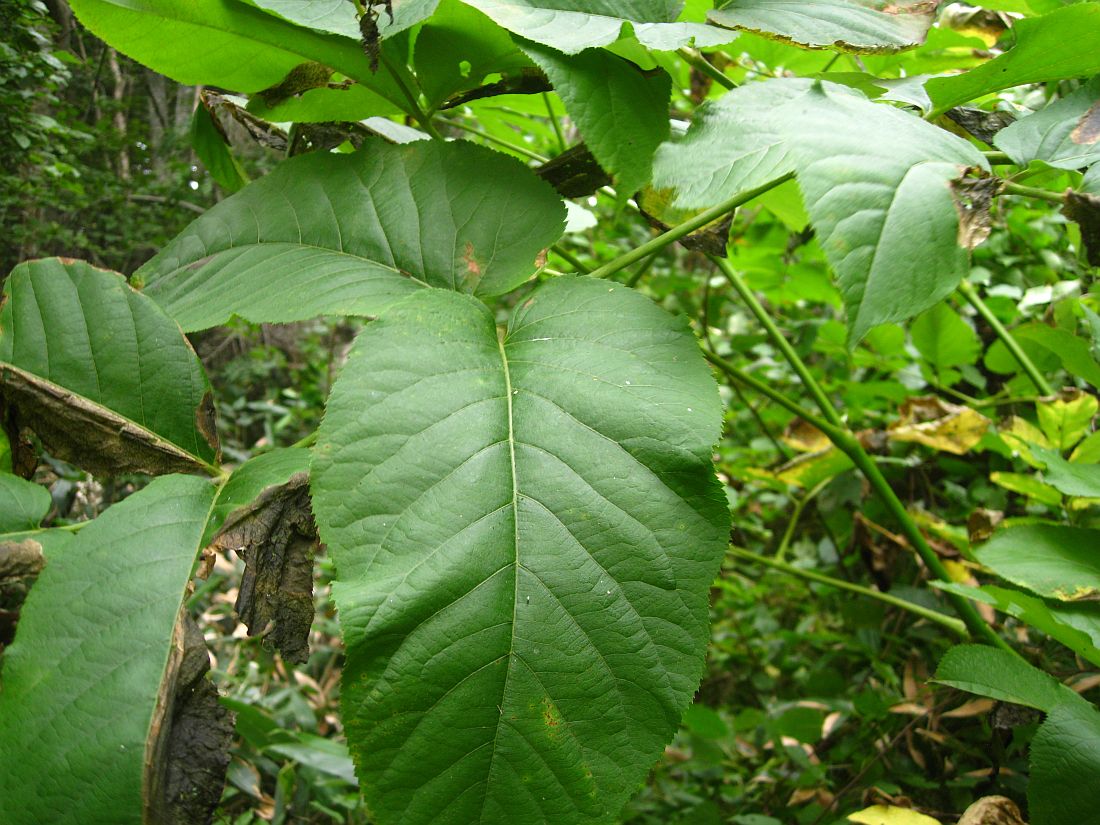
(1085, 210)
(91, 436)
(276, 537)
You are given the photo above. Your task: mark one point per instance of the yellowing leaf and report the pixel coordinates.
(1029, 486)
(809, 469)
(890, 815)
(937, 424)
(805, 437)
(1065, 419)
(1021, 435)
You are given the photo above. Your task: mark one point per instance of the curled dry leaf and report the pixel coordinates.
(575, 173)
(187, 752)
(276, 536)
(972, 198)
(20, 564)
(1085, 210)
(87, 434)
(935, 423)
(981, 524)
(993, 810)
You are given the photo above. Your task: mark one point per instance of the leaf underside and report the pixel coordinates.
(525, 529)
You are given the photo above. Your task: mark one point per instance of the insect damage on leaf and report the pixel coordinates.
(187, 752)
(20, 564)
(1087, 130)
(275, 536)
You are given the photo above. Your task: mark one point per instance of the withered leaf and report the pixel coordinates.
(981, 124)
(972, 199)
(187, 752)
(575, 173)
(89, 435)
(935, 423)
(993, 810)
(20, 564)
(1085, 210)
(275, 536)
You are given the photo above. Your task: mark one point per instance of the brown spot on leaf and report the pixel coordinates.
(540, 260)
(187, 750)
(972, 198)
(933, 422)
(275, 536)
(206, 422)
(1087, 130)
(473, 268)
(81, 432)
(1085, 210)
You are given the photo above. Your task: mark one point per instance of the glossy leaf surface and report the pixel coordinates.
(351, 234)
(525, 528)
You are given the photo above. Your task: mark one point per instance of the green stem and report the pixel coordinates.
(641, 271)
(504, 144)
(998, 158)
(757, 309)
(696, 59)
(1013, 188)
(554, 122)
(766, 390)
(949, 622)
(967, 290)
(414, 106)
(569, 258)
(792, 523)
(308, 441)
(847, 442)
(685, 228)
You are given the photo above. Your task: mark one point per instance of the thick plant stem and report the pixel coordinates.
(846, 442)
(698, 61)
(951, 623)
(1011, 188)
(685, 228)
(569, 258)
(757, 309)
(967, 290)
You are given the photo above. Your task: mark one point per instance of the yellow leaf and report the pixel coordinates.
(935, 423)
(890, 815)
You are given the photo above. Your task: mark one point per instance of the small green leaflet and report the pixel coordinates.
(1065, 134)
(351, 234)
(596, 82)
(525, 526)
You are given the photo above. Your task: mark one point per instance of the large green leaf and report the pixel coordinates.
(848, 25)
(525, 525)
(83, 701)
(23, 504)
(224, 43)
(876, 182)
(251, 479)
(1065, 764)
(1003, 676)
(620, 111)
(571, 26)
(332, 16)
(351, 234)
(100, 373)
(1055, 561)
(1040, 54)
(1065, 134)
